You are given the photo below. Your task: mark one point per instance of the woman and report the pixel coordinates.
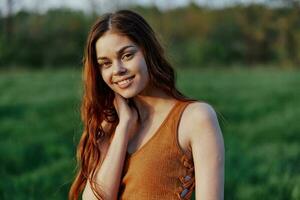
(142, 138)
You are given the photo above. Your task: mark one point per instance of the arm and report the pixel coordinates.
(109, 174)
(208, 152)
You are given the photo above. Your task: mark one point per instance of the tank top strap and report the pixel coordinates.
(178, 110)
(176, 117)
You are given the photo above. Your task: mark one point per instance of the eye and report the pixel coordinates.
(127, 56)
(104, 64)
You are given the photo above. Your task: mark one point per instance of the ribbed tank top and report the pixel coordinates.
(160, 169)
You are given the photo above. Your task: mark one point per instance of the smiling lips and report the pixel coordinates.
(125, 83)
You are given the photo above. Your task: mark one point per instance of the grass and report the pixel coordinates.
(259, 112)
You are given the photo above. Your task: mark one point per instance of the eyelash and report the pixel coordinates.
(104, 64)
(127, 56)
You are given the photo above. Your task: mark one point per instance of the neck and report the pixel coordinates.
(151, 103)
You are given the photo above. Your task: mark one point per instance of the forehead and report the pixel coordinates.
(110, 43)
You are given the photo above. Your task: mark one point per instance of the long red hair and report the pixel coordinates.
(97, 103)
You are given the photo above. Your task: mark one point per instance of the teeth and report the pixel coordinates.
(124, 81)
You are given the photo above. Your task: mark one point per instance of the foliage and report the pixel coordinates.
(193, 35)
(54, 39)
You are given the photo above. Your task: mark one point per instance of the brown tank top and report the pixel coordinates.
(160, 169)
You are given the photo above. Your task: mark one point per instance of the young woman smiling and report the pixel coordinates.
(142, 138)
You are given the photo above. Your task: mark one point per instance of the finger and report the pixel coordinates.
(115, 102)
(120, 99)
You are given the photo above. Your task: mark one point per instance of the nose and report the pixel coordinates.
(118, 68)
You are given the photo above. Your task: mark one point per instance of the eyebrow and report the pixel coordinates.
(120, 51)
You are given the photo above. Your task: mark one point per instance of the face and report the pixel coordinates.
(122, 64)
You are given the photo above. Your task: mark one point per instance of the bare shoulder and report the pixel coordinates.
(199, 120)
(201, 110)
(198, 113)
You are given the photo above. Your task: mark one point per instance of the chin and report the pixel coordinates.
(127, 95)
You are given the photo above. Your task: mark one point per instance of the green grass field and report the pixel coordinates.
(259, 112)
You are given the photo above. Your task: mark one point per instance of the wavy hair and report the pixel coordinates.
(97, 103)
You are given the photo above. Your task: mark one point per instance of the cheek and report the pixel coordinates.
(144, 70)
(105, 78)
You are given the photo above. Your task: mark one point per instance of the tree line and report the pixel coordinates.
(193, 36)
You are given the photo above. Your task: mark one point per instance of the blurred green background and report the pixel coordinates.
(242, 58)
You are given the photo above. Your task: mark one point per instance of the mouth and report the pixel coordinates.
(125, 83)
